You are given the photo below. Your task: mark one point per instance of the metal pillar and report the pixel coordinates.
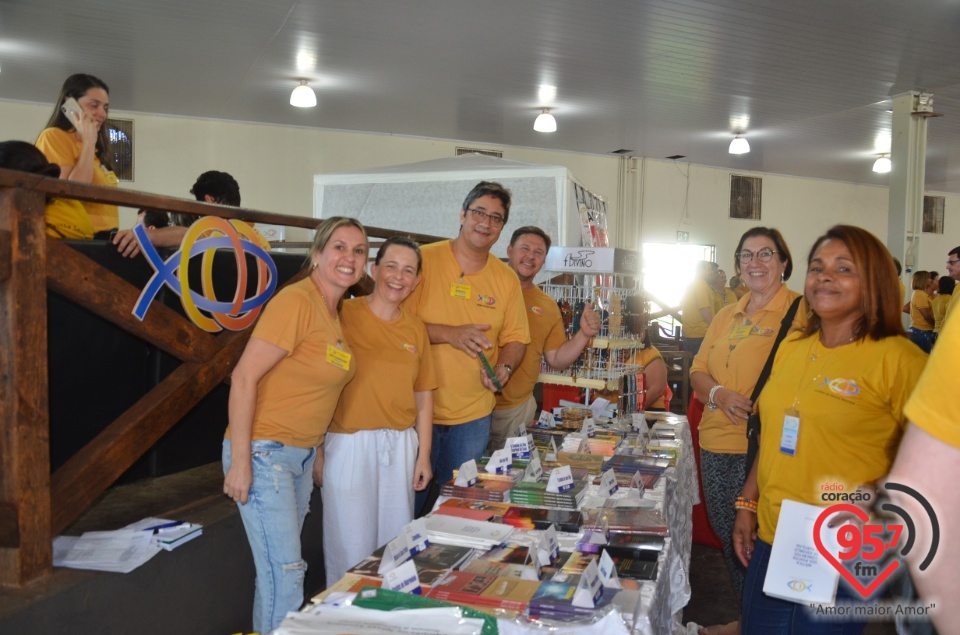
(908, 149)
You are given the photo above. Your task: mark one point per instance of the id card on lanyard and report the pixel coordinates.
(791, 432)
(338, 357)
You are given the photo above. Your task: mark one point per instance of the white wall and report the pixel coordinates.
(275, 166)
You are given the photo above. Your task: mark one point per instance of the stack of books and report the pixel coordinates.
(626, 520)
(473, 509)
(593, 463)
(432, 564)
(536, 495)
(554, 600)
(530, 518)
(486, 490)
(477, 589)
(464, 532)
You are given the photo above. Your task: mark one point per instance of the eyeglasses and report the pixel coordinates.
(764, 255)
(478, 215)
(952, 262)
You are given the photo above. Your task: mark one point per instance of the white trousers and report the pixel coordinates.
(367, 494)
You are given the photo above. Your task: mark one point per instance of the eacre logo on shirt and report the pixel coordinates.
(537, 310)
(842, 387)
(410, 348)
(487, 301)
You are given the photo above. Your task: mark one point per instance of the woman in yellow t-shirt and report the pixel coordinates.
(283, 393)
(921, 315)
(832, 414)
(377, 452)
(940, 302)
(79, 143)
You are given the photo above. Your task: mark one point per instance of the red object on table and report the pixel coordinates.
(553, 393)
(702, 531)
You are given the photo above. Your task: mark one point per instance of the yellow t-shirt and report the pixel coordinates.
(67, 218)
(930, 406)
(644, 357)
(850, 401)
(490, 296)
(919, 300)
(297, 398)
(699, 296)
(903, 292)
(954, 301)
(729, 297)
(63, 148)
(546, 334)
(733, 353)
(393, 362)
(939, 306)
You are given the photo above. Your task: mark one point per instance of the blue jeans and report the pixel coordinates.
(923, 339)
(691, 344)
(452, 447)
(764, 615)
(273, 516)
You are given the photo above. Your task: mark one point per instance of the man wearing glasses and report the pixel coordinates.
(472, 304)
(953, 270)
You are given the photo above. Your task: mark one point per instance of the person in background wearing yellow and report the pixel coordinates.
(283, 393)
(725, 372)
(940, 302)
(737, 286)
(377, 450)
(832, 414)
(79, 144)
(698, 307)
(921, 315)
(953, 270)
(726, 294)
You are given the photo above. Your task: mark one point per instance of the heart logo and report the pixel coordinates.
(849, 577)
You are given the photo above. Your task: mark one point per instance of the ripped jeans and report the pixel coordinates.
(273, 518)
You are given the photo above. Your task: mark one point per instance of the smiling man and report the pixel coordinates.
(471, 303)
(526, 254)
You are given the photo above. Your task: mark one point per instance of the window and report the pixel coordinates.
(933, 214)
(745, 197)
(668, 269)
(121, 147)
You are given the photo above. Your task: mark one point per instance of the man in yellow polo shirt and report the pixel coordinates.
(699, 306)
(515, 405)
(471, 303)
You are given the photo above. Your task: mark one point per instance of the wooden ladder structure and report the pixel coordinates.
(36, 505)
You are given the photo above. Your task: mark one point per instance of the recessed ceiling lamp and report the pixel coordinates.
(883, 164)
(739, 145)
(303, 96)
(545, 122)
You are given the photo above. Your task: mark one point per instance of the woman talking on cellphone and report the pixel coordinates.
(76, 139)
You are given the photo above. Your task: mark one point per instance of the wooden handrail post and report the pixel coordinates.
(25, 540)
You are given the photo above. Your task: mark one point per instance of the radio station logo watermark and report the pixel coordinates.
(204, 238)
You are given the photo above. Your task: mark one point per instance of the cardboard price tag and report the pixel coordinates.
(561, 480)
(534, 470)
(403, 579)
(546, 420)
(394, 554)
(519, 447)
(608, 571)
(608, 483)
(499, 462)
(467, 475)
(416, 535)
(589, 428)
(590, 587)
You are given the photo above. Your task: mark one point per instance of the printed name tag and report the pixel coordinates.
(742, 331)
(534, 470)
(791, 431)
(519, 447)
(338, 357)
(590, 587)
(608, 483)
(546, 420)
(467, 474)
(416, 535)
(522, 430)
(548, 548)
(589, 428)
(461, 291)
(403, 579)
(561, 480)
(608, 571)
(499, 463)
(394, 554)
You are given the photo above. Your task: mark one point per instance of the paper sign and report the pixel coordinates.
(558, 412)
(598, 406)
(637, 484)
(546, 420)
(522, 430)
(532, 565)
(608, 571)
(500, 462)
(519, 447)
(589, 428)
(548, 548)
(590, 588)
(467, 475)
(584, 447)
(637, 421)
(608, 483)
(552, 454)
(416, 535)
(561, 480)
(394, 554)
(534, 470)
(403, 579)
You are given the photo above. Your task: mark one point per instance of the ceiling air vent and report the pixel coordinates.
(489, 153)
(745, 197)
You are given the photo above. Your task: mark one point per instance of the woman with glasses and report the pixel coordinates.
(832, 414)
(725, 372)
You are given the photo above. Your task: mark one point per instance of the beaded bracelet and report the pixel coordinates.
(745, 503)
(711, 404)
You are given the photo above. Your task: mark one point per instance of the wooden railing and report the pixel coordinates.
(35, 505)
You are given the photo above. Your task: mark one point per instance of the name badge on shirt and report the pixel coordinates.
(460, 290)
(742, 331)
(791, 431)
(338, 357)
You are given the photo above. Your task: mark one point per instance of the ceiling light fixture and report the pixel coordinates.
(303, 96)
(883, 164)
(545, 122)
(739, 145)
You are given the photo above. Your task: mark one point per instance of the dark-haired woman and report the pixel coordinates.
(921, 314)
(377, 452)
(845, 378)
(78, 143)
(940, 303)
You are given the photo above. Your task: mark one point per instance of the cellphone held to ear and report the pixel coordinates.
(72, 110)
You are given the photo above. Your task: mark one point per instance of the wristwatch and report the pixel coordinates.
(508, 367)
